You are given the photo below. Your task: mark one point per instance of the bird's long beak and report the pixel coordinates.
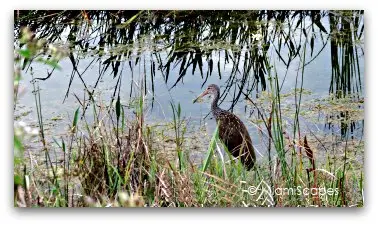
(200, 96)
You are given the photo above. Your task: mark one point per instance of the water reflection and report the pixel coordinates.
(173, 54)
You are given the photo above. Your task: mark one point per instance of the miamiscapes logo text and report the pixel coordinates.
(264, 192)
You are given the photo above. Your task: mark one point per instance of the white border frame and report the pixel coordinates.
(180, 216)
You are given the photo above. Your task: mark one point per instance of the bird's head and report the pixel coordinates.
(212, 89)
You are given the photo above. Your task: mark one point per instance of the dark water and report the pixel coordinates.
(160, 90)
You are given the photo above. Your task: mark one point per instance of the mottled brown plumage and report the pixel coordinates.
(231, 129)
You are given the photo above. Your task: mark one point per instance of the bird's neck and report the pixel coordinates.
(214, 104)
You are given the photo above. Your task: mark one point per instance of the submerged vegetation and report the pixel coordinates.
(312, 148)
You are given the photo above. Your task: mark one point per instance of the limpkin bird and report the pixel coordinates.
(232, 131)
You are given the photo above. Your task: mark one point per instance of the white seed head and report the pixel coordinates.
(27, 130)
(34, 132)
(21, 124)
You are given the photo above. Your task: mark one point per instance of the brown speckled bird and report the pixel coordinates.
(232, 131)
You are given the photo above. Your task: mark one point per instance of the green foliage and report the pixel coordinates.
(107, 166)
(210, 150)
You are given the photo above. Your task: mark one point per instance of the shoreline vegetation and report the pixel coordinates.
(111, 157)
